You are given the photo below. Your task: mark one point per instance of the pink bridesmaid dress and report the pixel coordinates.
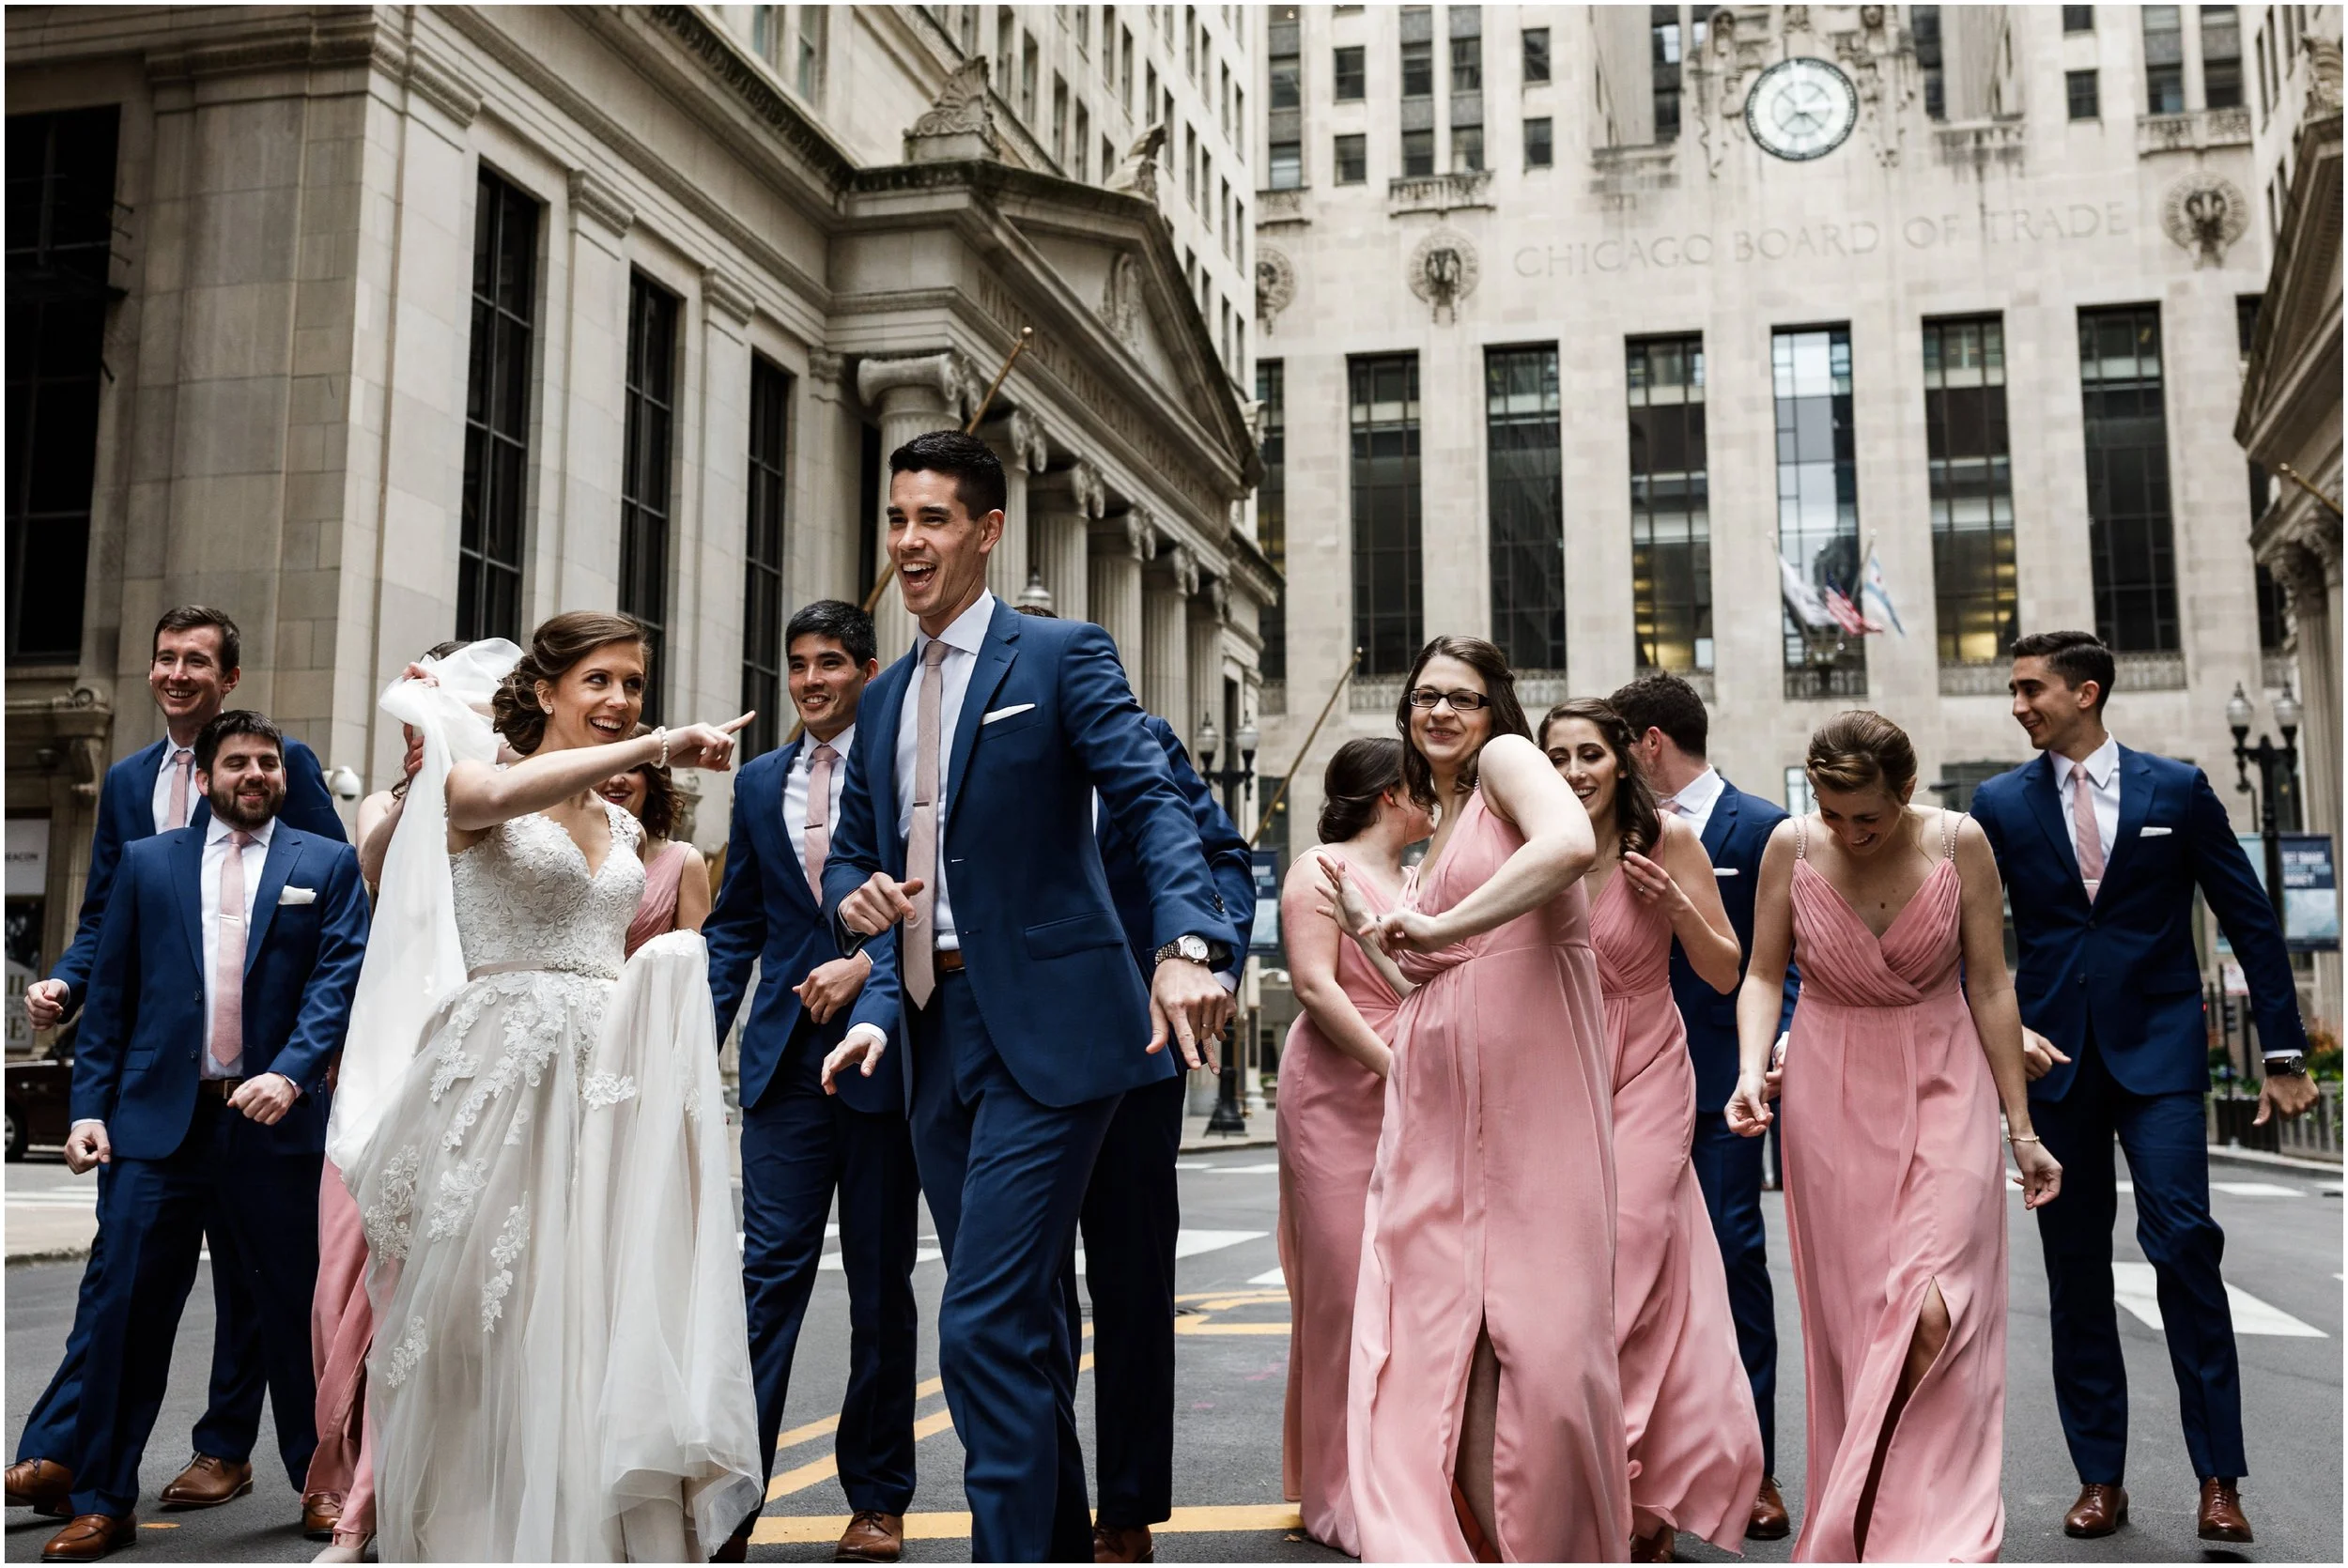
(1894, 1182)
(1492, 1207)
(656, 910)
(1329, 1112)
(1694, 1442)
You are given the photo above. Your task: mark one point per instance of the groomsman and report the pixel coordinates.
(1671, 728)
(2102, 848)
(800, 1142)
(192, 668)
(967, 817)
(221, 992)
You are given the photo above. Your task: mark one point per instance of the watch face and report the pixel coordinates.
(1802, 108)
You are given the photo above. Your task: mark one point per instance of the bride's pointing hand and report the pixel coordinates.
(705, 745)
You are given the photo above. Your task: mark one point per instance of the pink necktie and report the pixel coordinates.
(182, 772)
(227, 1045)
(2089, 840)
(819, 816)
(917, 948)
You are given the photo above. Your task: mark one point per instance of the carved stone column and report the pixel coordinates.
(1063, 507)
(1113, 585)
(2313, 586)
(911, 396)
(1165, 684)
(1207, 611)
(1019, 442)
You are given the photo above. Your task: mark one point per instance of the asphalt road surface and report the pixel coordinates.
(2283, 1261)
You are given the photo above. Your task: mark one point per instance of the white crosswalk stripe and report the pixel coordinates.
(2135, 1288)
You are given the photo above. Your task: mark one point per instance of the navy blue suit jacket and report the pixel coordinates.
(2126, 966)
(1219, 837)
(138, 1063)
(766, 911)
(126, 814)
(1733, 837)
(1046, 956)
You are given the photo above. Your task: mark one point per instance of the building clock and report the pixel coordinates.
(1802, 108)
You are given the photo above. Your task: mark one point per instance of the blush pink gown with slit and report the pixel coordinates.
(1894, 1182)
(1329, 1112)
(656, 912)
(1492, 1207)
(1687, 1405)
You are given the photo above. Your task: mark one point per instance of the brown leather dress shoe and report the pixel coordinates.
(1116, 1544)
(320, 1513)
(43, 1486)
(1656, 1547)
(1769, 1521)
(91, 1537)
(872, 1536)
(207, 1482)
(2222, 1518)
(2101, 1508)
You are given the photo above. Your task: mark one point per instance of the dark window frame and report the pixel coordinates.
(1540, 147)
(1358, 146)
(1272, 515)
(1671, 523)
(765, 662)
(2083, 94)
(1970, 482)
(492, 550)
(1418, 154)
(2131, 523)
(1524, 490)
(1536, 60)
(1817, 468)
(1386, 509)
(1348, 68)
(648, 473)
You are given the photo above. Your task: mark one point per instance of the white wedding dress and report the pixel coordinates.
(561, 1370)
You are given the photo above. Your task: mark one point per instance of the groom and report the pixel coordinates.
(800, 1145)
(221, 992)
(967, 817)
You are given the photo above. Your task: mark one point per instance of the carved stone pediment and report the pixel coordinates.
(960, 123)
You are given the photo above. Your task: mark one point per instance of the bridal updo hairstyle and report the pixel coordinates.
(1858, 750)
(1499, 686)
(554, 648)
(1638, 821)
(1358, 777)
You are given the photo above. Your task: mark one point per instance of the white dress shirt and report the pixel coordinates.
(962, 640)
(2102, 769)
(216, 851)
(795, 788)
(162, 785)
(1694, 803)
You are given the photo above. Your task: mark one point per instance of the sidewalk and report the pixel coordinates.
(1260, 1134)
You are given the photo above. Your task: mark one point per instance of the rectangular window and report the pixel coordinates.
(1287, 165)
(60, 248)
(1125, 69)
(1671, 515)
(1383, 408)
(645, 472)
(1663, 52)
(2221, 57)
(1528, 540)
(497, 412)
(763, 613)
(1352, 160)
(1060, 120)
(1535, 54)
(1817, 501)
(1467, 65)
(1925, 23)
(1540, 151)
(1418, 69)
(1029, 63)
(2274, 612)
(2130, 539)
(1287, 74)
(1467, 148)
(1418, 154)
(807, 68)
(2246, 322)
(2080, 86)
(1081, 173)
(2078, 19)
(2164, 60)
(1348, 76)
(1272, 513)
(1971, 482)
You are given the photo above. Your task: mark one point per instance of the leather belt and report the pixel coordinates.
(216, 1088)
(949, 960)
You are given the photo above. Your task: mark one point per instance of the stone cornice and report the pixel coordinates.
(331, 37)
(595, 199)
(2299, 317)
(717, 52)
(442, 85)
(728, 295)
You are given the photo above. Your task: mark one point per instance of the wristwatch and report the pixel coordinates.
(1188, 947)
(2292, 1066)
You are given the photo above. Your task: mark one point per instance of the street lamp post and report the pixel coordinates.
(2276, 764)
(1228, 1118)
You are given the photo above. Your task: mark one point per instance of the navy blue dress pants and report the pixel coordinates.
(1005, 1178)
(2166, 1141)
(799, 1147)
(1132, 1214)
(1728, 1168)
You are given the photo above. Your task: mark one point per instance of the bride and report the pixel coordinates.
(536, 1142)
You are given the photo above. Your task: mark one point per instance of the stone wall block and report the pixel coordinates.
(237, 330)
(231, 427)
(242, 236)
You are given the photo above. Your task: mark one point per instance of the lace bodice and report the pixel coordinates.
(524, 897)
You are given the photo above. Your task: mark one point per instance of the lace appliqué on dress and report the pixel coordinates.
(405, 1355)
(603, 1090)
(512, 1238)
(387, 1221)
(460, 1186)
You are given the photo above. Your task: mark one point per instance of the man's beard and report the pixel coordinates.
(239, 813)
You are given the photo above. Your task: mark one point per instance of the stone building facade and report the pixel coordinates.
(1607, 331)
(378, 325)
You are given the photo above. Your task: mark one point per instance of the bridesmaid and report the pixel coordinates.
(1484, 1415)
(677, 879)
(1894, 1186)
(1333, 1080)
(1694, 1442)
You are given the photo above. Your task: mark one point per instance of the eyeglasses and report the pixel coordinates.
(1460, 701)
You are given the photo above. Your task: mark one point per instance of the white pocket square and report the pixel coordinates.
(1726, 872)
(295, 895)
(2154, 832)
(1005, 712)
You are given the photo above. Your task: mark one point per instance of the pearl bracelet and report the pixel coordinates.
(661, 735)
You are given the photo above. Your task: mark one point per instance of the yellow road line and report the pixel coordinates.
(804, 1530)
(829, 1424)
(818, 1470)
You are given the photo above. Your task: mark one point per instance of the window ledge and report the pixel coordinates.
(2149, 672)
(1439, 193)
(1281, 207)
(1975, 680)
(2195, 131)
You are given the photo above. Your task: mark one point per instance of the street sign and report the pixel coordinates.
(2311, 891)
(1266, 867)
